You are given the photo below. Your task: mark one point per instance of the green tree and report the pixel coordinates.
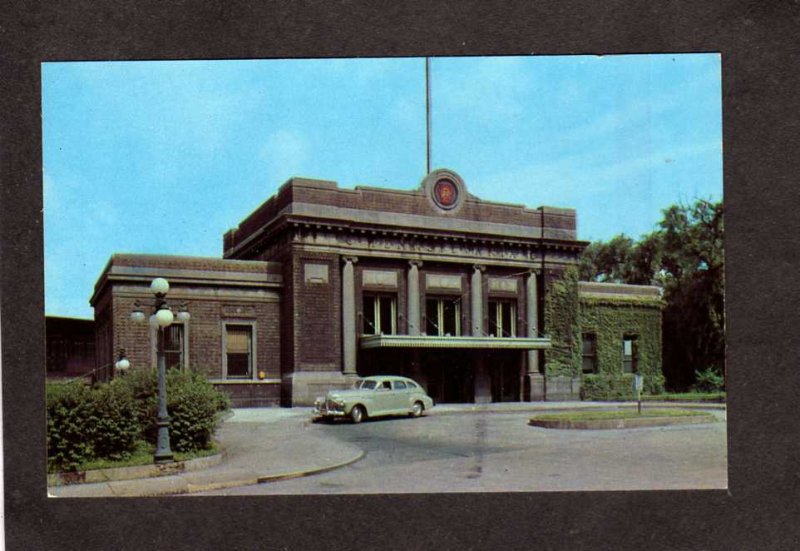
(685, 257)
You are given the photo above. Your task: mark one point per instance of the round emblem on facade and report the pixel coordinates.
(445, 190)
(445, 193)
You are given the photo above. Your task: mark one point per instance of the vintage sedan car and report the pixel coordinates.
(373, 397)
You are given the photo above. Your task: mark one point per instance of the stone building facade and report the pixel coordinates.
(321, 285)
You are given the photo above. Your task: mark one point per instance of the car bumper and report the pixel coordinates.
(328, 412)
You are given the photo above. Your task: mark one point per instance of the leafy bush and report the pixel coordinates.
(604, 388)
(193, 405)
(85, 423)
(708, 380)
(109, 420)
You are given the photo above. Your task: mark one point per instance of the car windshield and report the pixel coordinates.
(366, 385)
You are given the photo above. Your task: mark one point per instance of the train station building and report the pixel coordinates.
(478, 301)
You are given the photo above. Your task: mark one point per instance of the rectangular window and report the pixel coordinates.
(239, 351)
(443, 317)
(174, 346)
(502, 318)
(589, 352)
(630, 354)
(379, 314)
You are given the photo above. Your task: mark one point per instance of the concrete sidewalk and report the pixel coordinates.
(261, 445)
(268, 444)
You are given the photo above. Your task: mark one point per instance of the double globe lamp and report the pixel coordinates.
(161, 317)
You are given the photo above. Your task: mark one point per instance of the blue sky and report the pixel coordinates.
(164, 157)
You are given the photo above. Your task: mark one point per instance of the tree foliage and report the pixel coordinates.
(685, 257)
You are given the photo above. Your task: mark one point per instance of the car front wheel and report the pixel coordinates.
(416, 409)
(357, 414)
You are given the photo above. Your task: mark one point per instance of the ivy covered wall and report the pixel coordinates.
(611, 319)
(561, 324)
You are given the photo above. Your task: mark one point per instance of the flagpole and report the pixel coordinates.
(428, 114)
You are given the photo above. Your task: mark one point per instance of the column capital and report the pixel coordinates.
(534, 271)
(350, 259)
(415, 263)
(479, 267)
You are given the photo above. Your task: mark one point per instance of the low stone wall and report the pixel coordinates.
(562, 389)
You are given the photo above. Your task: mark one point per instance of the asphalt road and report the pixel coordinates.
(500, 452)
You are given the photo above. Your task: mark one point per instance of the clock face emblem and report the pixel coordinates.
(445, 193)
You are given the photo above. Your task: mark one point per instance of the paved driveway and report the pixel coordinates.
(491, 451)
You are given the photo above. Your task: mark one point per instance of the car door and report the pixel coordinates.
(400, 399)
(383, 399)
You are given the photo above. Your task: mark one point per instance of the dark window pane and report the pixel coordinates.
(507, 319)
(494, 327)
(589, 352)
(588, 343)
(431, 315)
(369, 315)
(629, 352)
(450, 312)
(238, 365)
(386, 315)
(173, 346)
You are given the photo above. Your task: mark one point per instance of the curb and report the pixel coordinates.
(135, 472)
(604, 424)
(177, 486)
(193, 488)
(537, 408)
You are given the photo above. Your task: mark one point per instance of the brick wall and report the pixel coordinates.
(317, 314)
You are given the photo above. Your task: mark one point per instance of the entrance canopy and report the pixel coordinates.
(489, 343)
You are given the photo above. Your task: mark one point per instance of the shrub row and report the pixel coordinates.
(607, 387)
(107, 421)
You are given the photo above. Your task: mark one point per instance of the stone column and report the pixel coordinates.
(414, 319)
(535, 379)
(476, 301)
(483, 382)
(349, 315)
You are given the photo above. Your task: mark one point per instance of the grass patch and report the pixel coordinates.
(143, 455)
(685, 397)
(616, 414)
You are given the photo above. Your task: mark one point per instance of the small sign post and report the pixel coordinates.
(638, 384)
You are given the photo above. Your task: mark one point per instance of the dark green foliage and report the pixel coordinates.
(708, 381)
(85, 423)
(685, 257)
(607, 387)
(106, 421)
(611, 319)
(193, 405)
(561, 311)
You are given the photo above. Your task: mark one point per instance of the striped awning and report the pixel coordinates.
(488, 343)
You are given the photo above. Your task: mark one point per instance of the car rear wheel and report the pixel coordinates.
(357, 414)
(416, 409)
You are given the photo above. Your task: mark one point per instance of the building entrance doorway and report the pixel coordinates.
(505, 370)
(449, 375)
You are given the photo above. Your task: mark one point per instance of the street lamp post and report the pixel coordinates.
(161, 318)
